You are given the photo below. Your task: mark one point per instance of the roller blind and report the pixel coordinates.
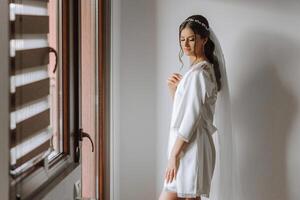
(30, 130)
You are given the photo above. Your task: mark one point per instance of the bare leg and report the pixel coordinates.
(168, 196)
(173, 196)
(198, 198)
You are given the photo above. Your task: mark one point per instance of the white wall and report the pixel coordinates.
(134, 99)
(261, 43)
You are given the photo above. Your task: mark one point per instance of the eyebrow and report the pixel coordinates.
(188, 36)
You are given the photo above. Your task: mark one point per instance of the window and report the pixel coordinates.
(44, 132)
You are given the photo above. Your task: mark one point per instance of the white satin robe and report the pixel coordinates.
(192, 120)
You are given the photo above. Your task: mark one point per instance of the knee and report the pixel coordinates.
(168, 196)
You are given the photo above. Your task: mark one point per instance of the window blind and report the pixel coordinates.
(30, 130)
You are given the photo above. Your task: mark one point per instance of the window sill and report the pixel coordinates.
(35, 187)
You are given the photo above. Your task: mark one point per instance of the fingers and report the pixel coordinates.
(174, 78)
(175, 173)
(170, 175)
(177, 76)
(167, 175)
(171, 80)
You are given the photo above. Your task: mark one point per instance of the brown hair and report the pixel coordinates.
(209, 46)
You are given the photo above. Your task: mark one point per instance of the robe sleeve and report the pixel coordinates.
(189, 108)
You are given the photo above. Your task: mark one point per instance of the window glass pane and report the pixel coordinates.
(35, 89)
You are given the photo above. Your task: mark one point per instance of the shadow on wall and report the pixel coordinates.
(264, 111)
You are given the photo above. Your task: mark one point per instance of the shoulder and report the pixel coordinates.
(202, 67)
(203, 70)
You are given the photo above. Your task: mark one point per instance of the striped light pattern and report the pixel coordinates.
(29, 84)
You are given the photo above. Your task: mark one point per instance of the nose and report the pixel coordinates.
(186, 43)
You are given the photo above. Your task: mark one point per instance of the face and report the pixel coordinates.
(192, 44)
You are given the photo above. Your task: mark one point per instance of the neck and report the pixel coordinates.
(193, 59)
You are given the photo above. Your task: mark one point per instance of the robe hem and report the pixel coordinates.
(187, 195)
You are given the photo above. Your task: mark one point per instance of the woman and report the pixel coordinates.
(191, 150)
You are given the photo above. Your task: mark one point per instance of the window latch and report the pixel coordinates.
(83, 135)
(79, 137)
(52, 50)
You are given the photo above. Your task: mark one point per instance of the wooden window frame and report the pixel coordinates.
(104, 69)
(36, 181)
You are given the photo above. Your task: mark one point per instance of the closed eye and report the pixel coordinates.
(189, 40)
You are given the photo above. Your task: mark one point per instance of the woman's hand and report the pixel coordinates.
(172, 168)
(173, 81)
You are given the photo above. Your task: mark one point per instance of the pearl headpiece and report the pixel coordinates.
(197, 21)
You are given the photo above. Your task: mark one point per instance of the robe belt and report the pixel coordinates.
(208, 126)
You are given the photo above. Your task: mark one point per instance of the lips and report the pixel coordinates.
(187, 49)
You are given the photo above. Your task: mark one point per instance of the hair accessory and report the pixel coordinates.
(197, 21)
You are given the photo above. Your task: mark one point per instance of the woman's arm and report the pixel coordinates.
(173, 163)
(186, 119)
(178, 147)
